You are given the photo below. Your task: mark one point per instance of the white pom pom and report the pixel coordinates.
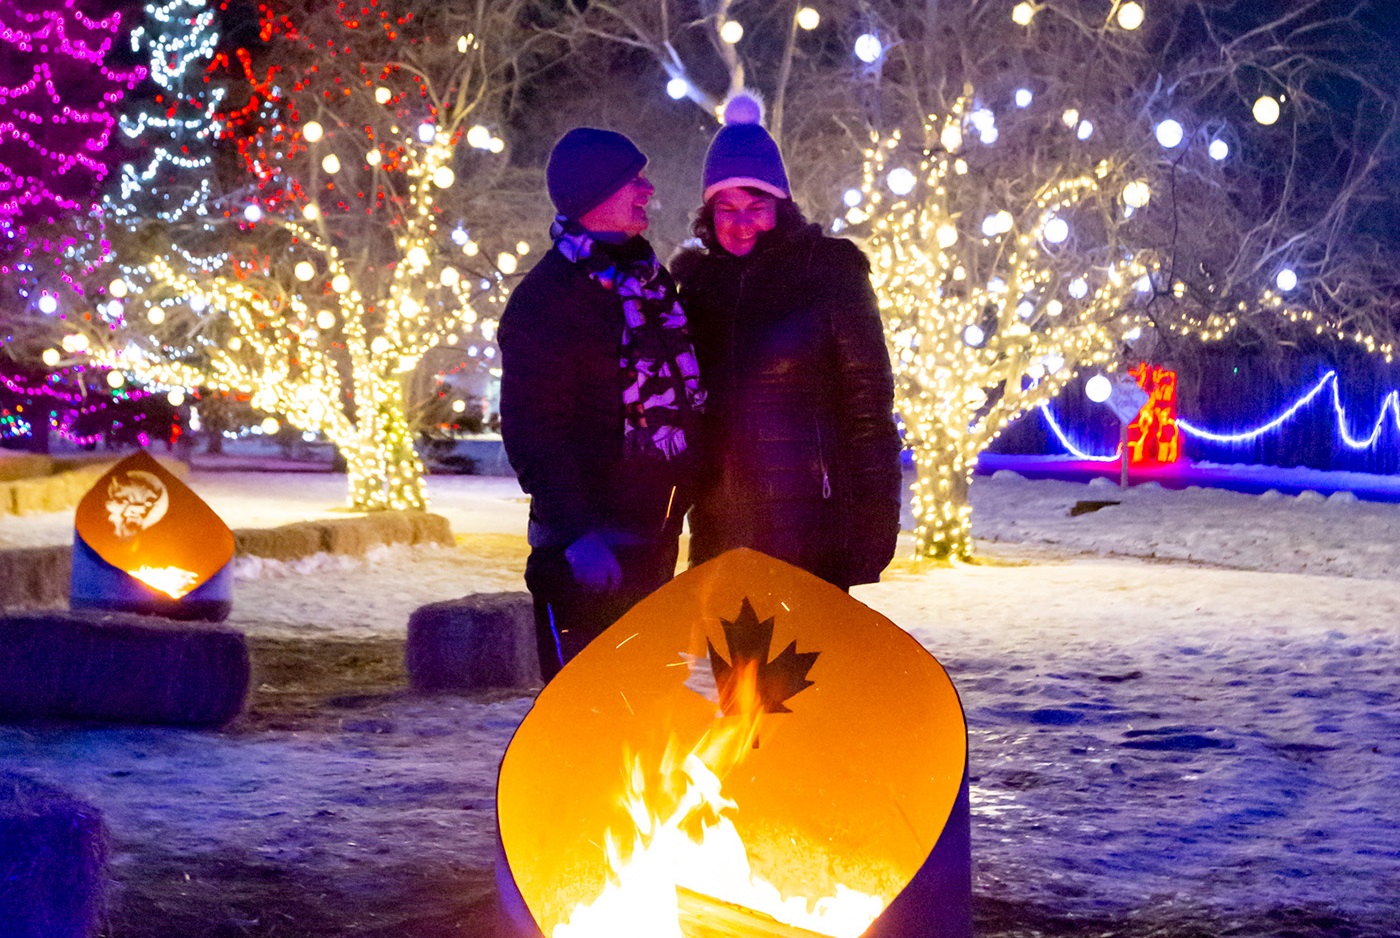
(743, 108)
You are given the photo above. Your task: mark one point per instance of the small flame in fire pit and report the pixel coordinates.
(172, 581)
(685, 853)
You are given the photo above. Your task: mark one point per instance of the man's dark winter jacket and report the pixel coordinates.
(803, 442)
(562, 415)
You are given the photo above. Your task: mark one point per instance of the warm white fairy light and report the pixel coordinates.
(331, 164)
(312, 131)
(731, 32)
(808, 18)
(1023, 13)
(1266, 110)
(479, 137)
(1137, 193)
(900, 181)
(383, 95)
(1131, 15)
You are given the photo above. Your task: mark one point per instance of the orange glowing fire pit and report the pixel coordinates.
(144, 542)
(748, 752)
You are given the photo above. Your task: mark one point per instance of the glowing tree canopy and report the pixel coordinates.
(988, 312)
(174, 127)
(57, 98)
(349, 261)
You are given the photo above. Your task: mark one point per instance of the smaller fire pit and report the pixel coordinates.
(748, 752)
(144, 542)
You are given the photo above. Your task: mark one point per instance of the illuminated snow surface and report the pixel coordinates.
(1183, 709)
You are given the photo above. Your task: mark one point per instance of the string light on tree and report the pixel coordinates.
(808, 18)
(976, 334)
(1170, 133)
(868, 48)
(1022, 13)
(334, 362)
(1130, 15)
(178, 125)
(1266, 110)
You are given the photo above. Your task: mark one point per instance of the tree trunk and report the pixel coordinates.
(382, 467)
(942, 512)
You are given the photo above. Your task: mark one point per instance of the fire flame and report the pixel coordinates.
(684, 838)
(172, 581)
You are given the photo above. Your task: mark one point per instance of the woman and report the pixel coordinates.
(805, 458)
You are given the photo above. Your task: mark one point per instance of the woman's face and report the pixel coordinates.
(740, 217)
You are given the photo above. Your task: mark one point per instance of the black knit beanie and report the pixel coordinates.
(588, 165)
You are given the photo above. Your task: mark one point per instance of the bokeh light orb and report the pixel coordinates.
(1131, 15)
(868, 48)
(901, 181)
(1170, 134)
(1266, 110)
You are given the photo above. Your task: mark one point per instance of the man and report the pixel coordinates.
(599, 394)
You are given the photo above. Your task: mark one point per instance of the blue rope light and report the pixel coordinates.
(1389, 406)
(1246, 436)
(1065, 441)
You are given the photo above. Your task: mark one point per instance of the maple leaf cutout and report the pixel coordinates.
(774, 681)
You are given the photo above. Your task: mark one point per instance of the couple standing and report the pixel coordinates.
(759, 399)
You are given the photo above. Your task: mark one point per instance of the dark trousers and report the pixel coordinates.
(568, 617)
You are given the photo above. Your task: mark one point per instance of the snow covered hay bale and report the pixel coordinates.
(53, 856)
(34, 576)
(480, 641)
(117, 668)
(286, 542)
(748, 751)
(351, 536)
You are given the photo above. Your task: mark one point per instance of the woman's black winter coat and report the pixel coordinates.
(804, 454)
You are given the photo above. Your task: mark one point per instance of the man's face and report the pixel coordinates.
(624, 211)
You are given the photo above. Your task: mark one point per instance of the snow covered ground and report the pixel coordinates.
(1184, 708)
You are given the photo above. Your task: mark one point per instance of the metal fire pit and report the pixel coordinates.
(854, 772)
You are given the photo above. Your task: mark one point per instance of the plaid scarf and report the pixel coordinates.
(661, 390)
